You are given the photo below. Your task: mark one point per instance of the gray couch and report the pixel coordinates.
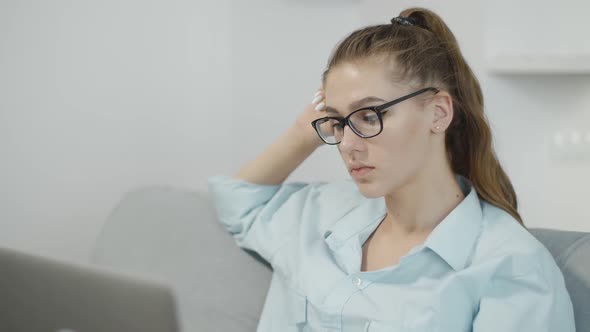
(172, 234)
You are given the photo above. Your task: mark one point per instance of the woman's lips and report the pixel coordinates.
(361, 172)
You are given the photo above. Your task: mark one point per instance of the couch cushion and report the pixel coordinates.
(571, 251)
(173, 235)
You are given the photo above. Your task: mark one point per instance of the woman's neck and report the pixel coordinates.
(422, 203)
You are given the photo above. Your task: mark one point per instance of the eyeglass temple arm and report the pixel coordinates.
(399, 100)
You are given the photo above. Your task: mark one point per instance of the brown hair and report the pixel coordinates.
(428, 51)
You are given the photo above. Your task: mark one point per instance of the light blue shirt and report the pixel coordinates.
(479, 270)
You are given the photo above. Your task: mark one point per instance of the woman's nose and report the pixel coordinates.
(350, 141)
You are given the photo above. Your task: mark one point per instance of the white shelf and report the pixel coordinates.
(577, 64)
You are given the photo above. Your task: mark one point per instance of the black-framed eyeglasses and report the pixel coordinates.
(365, 122)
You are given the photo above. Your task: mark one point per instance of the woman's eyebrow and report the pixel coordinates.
(356, 104)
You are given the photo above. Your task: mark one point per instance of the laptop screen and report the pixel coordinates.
(42, 294)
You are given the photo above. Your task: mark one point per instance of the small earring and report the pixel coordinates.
(437, 127)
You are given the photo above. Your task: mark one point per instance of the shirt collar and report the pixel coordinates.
(360, 215)
(453, 239)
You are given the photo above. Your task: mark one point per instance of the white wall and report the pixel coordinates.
(527, 110)
(98, 98)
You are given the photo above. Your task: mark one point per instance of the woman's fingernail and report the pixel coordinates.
(316, 99)
(318, 92)
(320, 106)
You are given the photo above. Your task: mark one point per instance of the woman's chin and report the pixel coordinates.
(370, 190)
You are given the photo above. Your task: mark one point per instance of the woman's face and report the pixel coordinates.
(401, 150)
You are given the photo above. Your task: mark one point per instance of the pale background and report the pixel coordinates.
(98, 98)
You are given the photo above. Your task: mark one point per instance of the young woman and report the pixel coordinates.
(426, 236)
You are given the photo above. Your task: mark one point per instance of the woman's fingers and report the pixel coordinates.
(318, 100)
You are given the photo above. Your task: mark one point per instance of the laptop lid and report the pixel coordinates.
(42, 294)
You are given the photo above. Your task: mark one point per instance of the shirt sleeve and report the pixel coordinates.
(536, 301)
(261, 218)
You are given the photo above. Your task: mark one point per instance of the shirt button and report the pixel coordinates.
(358, 282)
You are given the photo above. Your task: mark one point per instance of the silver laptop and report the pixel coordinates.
(45, 295)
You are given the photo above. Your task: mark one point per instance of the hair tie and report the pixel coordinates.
(408, 21)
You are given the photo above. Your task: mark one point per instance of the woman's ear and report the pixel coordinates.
(442, 104)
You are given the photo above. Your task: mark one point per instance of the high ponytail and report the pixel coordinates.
(429, 52)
